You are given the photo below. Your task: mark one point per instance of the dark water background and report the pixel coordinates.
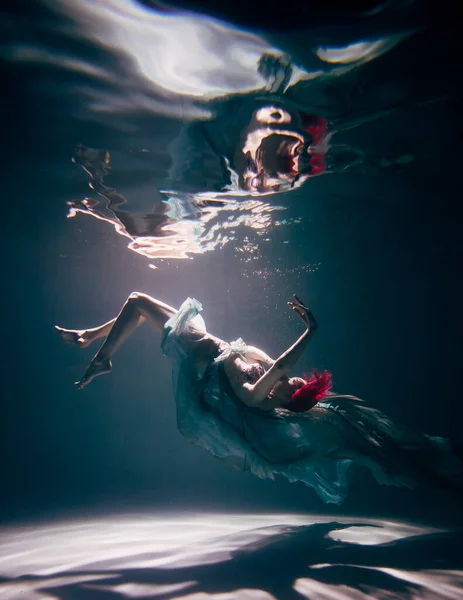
(385, 237)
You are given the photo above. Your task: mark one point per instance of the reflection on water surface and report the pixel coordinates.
(225, 115)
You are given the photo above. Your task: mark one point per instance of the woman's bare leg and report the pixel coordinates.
(84, 337)
(138, 308)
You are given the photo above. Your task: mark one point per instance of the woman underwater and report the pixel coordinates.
(241, 406)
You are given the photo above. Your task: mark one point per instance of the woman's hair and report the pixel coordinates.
(315, 389)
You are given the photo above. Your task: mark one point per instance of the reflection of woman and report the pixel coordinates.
(240, 405)
(269, 145)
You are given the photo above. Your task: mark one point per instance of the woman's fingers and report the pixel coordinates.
(296, 303)
(299, 301)
(294, 306)
(303, 312)
(297, 308)
(300, 313)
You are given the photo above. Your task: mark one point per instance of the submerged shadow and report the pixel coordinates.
(272, 565)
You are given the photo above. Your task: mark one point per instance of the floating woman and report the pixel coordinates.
(241, 406)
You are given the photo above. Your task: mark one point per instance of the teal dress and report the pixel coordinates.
(316, 448)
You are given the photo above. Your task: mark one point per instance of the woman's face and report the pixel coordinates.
(285, 388)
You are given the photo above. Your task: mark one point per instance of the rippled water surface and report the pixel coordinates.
(192, 132)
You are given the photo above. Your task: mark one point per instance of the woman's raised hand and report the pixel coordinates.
(304, 313)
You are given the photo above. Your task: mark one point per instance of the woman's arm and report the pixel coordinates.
(255, 394)
(257, 355)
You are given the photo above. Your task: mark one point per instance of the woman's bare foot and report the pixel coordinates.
(98, 366)
(74, 336)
